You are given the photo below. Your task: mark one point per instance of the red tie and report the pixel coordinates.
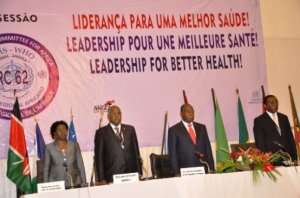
(192, 133)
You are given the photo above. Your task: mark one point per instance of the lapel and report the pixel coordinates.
(69, 147)
(185, 132)
(125, 135)
(57, 149)
(270, 122)
(113, 134)
(280, 121)
(197, 131)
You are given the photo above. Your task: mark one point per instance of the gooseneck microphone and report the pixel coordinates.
(67, 170)
(204, 162)
(278, 144)
(143, 168)
(289, 162)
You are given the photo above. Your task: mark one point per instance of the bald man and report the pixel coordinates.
(116, 148)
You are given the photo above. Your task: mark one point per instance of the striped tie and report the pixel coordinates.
(276, 122)
(118, 134)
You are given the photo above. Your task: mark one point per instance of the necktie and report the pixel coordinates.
(118, 134)
(192, 133)
(276, 122)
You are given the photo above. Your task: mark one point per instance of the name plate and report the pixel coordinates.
(186, 172)
(125, 178)
(51, 186)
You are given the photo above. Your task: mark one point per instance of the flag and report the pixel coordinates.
(164, 143)
(39, 147)
(221, 139)
(243, 131)
(263, 97)
(296, 119)
(101, 118)
(166, 148)
(185, 98)
(100, 126)
(72, 133)
(296, 122)
(18, 170)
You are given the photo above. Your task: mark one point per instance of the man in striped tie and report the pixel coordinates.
(188, 141)
(116, 148)
(272, 131)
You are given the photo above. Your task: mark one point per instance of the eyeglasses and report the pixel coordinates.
(188, 111)
(113, 113)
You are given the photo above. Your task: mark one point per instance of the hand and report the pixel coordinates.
(102, 182)
(295, 162)
(177, 175)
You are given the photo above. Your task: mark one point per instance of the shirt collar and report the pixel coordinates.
(186, 124)
(113, 126)
(271, 114)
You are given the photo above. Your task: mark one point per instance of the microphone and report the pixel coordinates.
(276, 143)
(67, 170)
(143, 168)
(204, 162)
(197, 153)
(286, 162)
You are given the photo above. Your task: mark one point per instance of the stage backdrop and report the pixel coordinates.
(141, 54)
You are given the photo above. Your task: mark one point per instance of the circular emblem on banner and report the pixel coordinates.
(256, 94)
(29, 68)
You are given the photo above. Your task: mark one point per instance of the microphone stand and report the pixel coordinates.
(203, 162)
(206, 164)
(289, 162)
(285, 162)
(72, 185)
(144, 169)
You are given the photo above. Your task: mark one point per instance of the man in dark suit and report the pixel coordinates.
(186, 137)
(116, 148)
(271, 127)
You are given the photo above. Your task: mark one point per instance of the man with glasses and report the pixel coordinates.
(116, 148)
(188, 142)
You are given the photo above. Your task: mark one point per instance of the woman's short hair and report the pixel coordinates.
(55, 125)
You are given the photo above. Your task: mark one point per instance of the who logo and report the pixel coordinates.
(29, 68)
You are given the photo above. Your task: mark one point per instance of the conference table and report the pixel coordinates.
(236, 184)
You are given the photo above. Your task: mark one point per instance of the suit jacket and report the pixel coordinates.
(182, 148)
(265, 133)
(111, 158)
(53, 164)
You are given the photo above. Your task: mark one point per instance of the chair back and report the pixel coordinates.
(245, 146)
(160, 166)
(39, 170)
